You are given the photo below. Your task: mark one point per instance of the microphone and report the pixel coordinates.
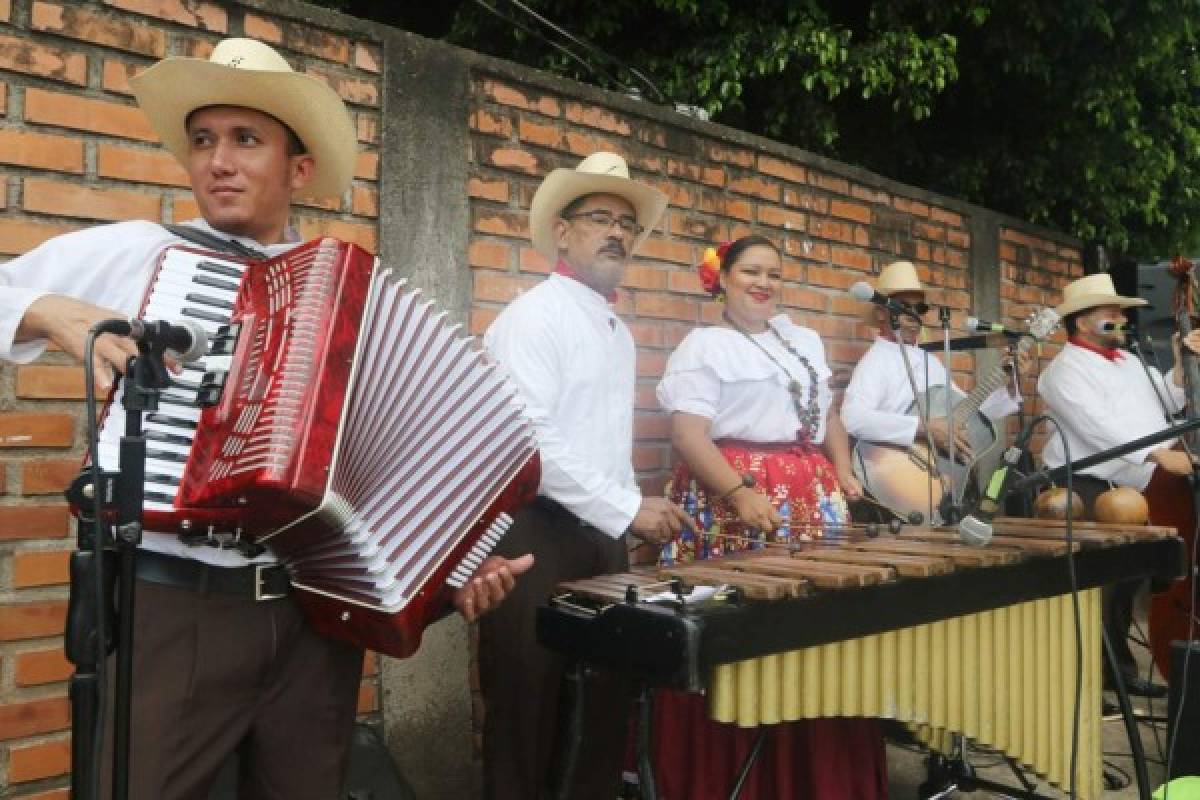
(863, 291)
(186, 339)
(978, 325)
(976, 529)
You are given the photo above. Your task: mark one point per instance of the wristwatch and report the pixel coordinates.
(746, 482)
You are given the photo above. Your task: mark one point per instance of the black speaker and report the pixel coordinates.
(372, 775)
(1186, 738)
(1156, 285)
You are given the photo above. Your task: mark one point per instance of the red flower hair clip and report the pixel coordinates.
(710, 269)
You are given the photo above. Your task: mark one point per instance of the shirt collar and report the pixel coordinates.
(567, 271)
(291, 237)
(887, 339)
(1110, 353)
(888, 335)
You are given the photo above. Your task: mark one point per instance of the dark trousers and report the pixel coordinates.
(1117, 599)
(521, 679)
(214, 674)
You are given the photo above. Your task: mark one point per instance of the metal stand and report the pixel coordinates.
(645, 765)
(1136, 752)
(748, 764)
(949, 511)
(922, 414)
(570, 729)
(108, 537)
(949, 776)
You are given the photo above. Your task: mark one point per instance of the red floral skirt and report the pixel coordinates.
(823, 759)
(800, 481)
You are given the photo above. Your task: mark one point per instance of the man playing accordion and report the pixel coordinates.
(218, 669)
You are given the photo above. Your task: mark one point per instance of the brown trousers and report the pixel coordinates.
(521, 679)
(214, 674)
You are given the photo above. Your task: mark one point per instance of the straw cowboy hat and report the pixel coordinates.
(249, 74)
(898, 276)
(599, 173)
(1091, 291)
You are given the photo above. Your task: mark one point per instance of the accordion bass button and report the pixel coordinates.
(345, 616)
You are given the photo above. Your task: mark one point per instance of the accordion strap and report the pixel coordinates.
(216, 243)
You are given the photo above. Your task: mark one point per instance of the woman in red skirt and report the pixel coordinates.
(761, 456)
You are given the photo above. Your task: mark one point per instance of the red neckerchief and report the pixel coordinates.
(1111, 353)
(565, 269)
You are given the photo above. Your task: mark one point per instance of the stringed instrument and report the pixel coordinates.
(899, 477)
(1171, 497)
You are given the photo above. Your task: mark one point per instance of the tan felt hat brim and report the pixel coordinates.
(562, 186)
(172, 89)
(1087, 301)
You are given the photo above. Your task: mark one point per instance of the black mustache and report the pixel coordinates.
(615, 247)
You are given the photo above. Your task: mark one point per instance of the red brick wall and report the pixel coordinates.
(836, 225)
(75, 151)
(1033, 270)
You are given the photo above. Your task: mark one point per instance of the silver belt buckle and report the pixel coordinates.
(259, 593)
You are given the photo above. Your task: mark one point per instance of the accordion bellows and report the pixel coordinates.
(360, 436)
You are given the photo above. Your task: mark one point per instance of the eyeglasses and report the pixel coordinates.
(603, 220)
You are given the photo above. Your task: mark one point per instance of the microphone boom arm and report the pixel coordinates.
(1045, 476)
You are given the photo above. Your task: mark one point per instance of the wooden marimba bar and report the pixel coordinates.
(916, 627)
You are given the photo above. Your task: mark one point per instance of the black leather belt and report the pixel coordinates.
(252, 582)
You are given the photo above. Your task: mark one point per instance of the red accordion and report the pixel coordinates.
(342, 422)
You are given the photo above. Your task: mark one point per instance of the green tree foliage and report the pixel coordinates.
(1079, 114)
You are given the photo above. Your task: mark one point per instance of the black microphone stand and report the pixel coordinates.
(1047, 476)
(922, 409)
(110, 534)
(948, 509)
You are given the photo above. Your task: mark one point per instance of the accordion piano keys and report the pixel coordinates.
(347, 425)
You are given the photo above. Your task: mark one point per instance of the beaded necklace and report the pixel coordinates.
(808, 413)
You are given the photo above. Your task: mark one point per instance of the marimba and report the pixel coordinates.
(915, 627)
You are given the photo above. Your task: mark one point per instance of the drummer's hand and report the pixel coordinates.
(658, 520)
(851, 485)
(755, 510)
(1175, 462)
(493, 580)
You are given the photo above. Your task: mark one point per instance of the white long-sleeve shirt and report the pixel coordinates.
(1101, 404)
(109, 266)
(875, 406)
(573, 361)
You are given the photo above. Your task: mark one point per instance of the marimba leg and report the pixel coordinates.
(570, 731)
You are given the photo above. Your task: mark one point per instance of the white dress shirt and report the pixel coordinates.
(573, 361)
(109, 266)
(1101, 404)
(719, 374)
(875, 406)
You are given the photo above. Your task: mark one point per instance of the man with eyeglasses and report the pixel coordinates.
(573, 361)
